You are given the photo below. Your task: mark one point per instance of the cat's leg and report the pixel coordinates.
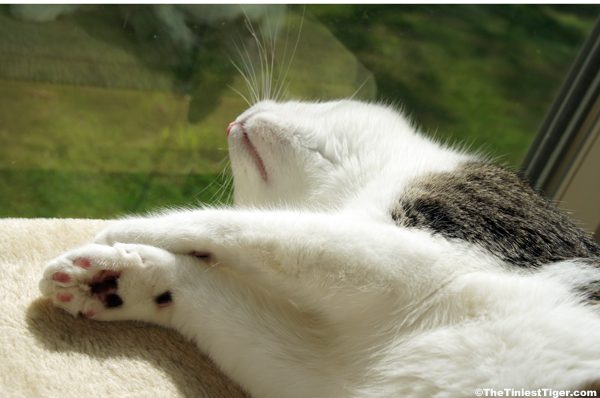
(237, 325)
(323, 254)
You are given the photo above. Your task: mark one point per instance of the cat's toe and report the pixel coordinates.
(76, 302)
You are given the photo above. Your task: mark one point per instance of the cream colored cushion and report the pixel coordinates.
(44, 352)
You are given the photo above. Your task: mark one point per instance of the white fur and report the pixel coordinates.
(311, 290)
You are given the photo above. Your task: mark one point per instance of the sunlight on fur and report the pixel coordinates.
(360, 258)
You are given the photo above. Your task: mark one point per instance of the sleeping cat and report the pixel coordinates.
(361, 259)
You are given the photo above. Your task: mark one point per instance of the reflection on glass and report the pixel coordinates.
(113, 109)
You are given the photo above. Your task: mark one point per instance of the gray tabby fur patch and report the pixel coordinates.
(492, 207)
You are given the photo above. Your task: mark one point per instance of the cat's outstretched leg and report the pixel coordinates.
(324, 253)
(238, 326)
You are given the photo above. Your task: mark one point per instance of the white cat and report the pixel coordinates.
(361, 259)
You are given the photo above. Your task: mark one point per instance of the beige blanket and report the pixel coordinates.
(44, 352)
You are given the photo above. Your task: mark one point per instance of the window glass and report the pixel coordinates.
(106, 110)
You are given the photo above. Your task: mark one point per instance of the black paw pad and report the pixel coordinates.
(104, 286)
(163, 299)
(113, 300)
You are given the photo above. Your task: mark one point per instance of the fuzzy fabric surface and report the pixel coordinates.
(46, 352)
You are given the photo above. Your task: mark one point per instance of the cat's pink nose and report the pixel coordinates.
(229, 128)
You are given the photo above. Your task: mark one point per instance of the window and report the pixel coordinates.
(112, 109)
(564, 159)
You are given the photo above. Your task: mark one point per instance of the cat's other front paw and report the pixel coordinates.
(124, 231)
(110, 282)
(163, 232)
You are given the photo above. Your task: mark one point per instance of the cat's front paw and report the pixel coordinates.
(110, 282)
(162, 232)
(126, 231)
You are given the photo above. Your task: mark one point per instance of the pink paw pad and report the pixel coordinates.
(82, 262)
(88, 313)
(64, 297)
(61, 277)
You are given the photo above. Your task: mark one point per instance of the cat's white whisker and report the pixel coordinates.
(249, 78)
(359, 88)
(279, 82)
(264, 51)
(273, 42)
(240, 94)
(254, 75)
(223, 175)
(224, 166)
(222, 193)
(289, 63)
(261, 56)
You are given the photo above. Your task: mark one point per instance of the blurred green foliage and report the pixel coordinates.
(471, 74)
(101, 115)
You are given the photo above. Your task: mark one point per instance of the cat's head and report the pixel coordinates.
(313, 154)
